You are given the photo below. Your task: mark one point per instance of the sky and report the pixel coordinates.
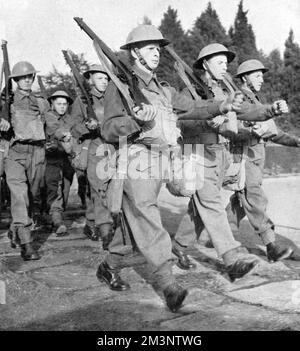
(37, 30)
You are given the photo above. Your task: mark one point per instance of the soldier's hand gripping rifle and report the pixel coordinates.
(125, 71)
(91, 117)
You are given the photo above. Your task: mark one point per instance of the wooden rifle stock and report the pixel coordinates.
(79, 82)
(188, 70)
(8, 83)
(126, 71)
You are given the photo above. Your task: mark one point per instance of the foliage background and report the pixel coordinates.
(282, 80)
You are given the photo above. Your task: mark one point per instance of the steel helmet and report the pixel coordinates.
(144, 33)
(250, 66)
(94, 68)
(60, 93)
(210, 50)
(22, 68)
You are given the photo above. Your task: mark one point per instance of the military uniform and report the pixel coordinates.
(59, 172)
(206, 209)
(24, 165)
(98, 216)
(140, 195)
(252, 201)
(217, 159)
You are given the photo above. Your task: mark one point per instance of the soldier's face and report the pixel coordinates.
(218, 65)
(100, 81)
(151, 54)
(25, 82)
(255, 79)
(60, 105)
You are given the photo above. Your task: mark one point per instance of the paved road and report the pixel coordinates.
(61, 292)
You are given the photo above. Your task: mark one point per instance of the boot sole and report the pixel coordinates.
(179, 302)
(31, 259)
(103, 279)
(285, 255)
(241, 275)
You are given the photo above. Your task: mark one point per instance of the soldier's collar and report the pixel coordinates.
(210, 82)
(145, 76)
(96, 93)
(22, 93)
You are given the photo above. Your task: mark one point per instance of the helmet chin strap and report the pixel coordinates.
(208, 70)
(141, 59)
(250, 85)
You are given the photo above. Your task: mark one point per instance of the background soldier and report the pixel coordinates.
(24, 165)
(252, 200)
(59, 172)
(99, 222)
(206, 208)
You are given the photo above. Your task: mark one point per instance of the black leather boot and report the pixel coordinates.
(28, 253)
(277, 252)
(175, 295)
(241, 267)
(14, 240)
(90, 232)
(183, 260)
(111, 278)
(106, 233)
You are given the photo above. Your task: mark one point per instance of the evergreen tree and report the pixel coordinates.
(146, 20)
(242, 36)
(56, 80)
(208, 29)
(291, 78)
(172, 30)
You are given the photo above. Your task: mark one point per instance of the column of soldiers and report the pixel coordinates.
(49, 145)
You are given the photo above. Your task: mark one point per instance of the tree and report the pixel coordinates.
(242, 36)
(172, 30)
(146, 20)
(291, 78)
(56, 80)
(208, 29)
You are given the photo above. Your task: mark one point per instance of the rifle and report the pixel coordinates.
(42, 87)
(187, 74)
(8, 84)
(127, 75)
(121, 86)
(91, 115)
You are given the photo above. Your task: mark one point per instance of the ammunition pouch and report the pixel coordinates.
(235, 176)
(27, 125)
(80, 151)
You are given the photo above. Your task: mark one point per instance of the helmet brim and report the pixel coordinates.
(229, 54)
(162, 43)
(86, 74)
(22, 75)
(68, 98)
(263, 70)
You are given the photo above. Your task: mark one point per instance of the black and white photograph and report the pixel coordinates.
(149, 170)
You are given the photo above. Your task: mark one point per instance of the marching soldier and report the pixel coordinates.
(150, 126)
(252, 200)
(99, 222)
(24, 165)
(206, 207)
(59, 172)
